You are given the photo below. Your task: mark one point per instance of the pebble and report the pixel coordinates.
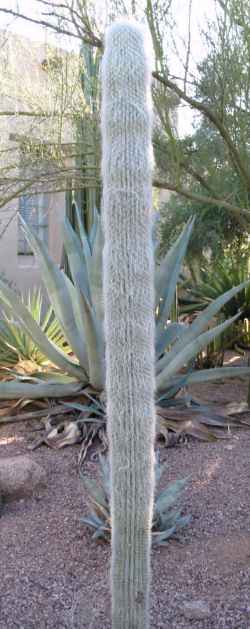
(195, 610)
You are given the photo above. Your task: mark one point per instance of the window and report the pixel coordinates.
(34, 209)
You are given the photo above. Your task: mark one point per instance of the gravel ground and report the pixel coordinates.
(53, 576)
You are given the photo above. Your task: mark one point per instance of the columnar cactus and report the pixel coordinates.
(129, 320)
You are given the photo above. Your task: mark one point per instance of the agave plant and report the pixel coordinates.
(16, 346)
(198, 291)
(168, 519)
(77, 304)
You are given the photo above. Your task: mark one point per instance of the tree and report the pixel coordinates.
(211, 166)
(219, 104)
(46, 122)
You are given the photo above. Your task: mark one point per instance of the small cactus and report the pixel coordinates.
(129, 319)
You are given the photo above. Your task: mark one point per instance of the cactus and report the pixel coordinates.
(129, 319)
(168, 519)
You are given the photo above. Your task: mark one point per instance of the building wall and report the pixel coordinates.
(23, 271)
(24, 87)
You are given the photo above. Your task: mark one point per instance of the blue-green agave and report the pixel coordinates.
(16, 346)
(78, 307)
(168, 519)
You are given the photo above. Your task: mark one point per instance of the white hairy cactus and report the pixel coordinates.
(129, 318)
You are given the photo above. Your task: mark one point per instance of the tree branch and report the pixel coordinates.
(236, 211)
(197, 176)
(214, 119)
(44, 114)
(87, 39)
(188, 46)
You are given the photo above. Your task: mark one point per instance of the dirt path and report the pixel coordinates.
(53, 576)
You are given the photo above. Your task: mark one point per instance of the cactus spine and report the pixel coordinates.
(129, 321)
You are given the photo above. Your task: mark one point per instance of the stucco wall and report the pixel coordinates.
(21, 270)
(24, 87)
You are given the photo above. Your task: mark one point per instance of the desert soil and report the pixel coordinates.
(54, 576)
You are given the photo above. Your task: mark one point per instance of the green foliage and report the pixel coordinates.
(78, 307)
(200, 286)
(168, 519)
(201, 289)
(210, 164)
(215, 229)
(16, 345)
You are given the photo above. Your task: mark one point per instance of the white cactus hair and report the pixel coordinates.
(129, 318)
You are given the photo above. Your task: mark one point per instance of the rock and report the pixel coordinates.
(195, 610)
(19, 476)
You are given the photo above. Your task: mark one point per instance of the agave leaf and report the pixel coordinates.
(180, 402)
(162, 536)
(95, 344)
(48, 319)
(203, 319)
(58, 293)
(101, 533)
(100, 520)
(92, 520)
(159, 469)
(183, 521)
(96, 493)
(13, 337)
(155, 218)
(76, 258)
(168, 496)
(213, 282)
(95, 273)
(90, 420)
(188, 352)
(96, 401)
(54, 354)
(101, 511)
(169, 519)
(79, 407)
(162, 271)
(93, 230)
(13, 390)
(171, 390)
(175, 519)
(56, 377)
(91, 335)
(29, 377)
(105, 468)
(83, 236)
(91, 408)
(192, 307)
(210, 375)
(51, 327)
(76, 300)
(168, 336)
(167, 275)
